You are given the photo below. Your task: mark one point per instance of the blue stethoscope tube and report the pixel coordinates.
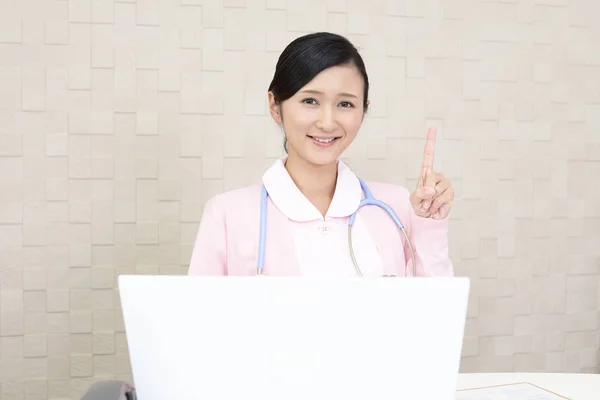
(369, 200)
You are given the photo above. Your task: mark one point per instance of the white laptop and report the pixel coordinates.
(236, 338)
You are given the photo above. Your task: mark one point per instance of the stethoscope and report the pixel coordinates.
(369, 200)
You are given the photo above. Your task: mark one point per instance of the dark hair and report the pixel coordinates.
(307, 56)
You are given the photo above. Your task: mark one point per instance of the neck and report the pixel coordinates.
(316, 182)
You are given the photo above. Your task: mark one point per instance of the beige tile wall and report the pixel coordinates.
(118, 119)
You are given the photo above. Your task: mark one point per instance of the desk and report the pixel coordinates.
(573, 386)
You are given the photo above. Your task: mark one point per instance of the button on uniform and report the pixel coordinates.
(324, 229)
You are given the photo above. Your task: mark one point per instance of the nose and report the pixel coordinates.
(326, 121)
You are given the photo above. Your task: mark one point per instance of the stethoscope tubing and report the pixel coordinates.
(368, 200)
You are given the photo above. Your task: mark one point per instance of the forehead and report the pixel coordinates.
(338, 79)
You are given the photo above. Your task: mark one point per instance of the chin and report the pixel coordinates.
(319, 154)
(321, 161)
(321, 157)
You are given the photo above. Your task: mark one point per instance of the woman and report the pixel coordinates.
(319, 96)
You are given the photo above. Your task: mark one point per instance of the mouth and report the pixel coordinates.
(323, 141)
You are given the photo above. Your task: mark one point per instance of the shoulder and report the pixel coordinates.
(398, 198)
(241, 200)
(389, 192)
(395, 196)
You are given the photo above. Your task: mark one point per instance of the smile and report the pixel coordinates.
(323, 141)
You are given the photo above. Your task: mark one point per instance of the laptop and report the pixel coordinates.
(271, 338)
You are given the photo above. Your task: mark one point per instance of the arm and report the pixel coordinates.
(209, 256)
(429, 238)
(429, 206)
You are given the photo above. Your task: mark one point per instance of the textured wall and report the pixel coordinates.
(119, 119)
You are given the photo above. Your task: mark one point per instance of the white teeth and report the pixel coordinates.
(324, 140)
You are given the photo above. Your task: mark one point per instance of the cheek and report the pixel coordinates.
(298, 122)
(351, 123)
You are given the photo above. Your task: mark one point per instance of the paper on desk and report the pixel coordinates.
(520, 391)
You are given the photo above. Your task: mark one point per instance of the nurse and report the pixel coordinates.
(319, 97)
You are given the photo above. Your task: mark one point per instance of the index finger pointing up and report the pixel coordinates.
(427, 166)
(429, 151)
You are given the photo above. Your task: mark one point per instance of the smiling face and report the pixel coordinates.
(322, 119)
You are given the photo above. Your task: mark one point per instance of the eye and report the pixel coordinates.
(310, 101)
(346, 104)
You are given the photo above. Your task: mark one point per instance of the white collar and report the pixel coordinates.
(286, 196)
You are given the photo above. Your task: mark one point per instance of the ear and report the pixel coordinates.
(275, 109)
(366, 109)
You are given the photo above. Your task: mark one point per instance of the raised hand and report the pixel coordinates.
(434, 194)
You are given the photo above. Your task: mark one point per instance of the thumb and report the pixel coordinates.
(425, 192)
(421, 194)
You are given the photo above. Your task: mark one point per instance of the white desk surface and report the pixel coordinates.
(572, 386)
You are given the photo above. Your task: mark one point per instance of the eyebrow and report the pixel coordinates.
(341, 94)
